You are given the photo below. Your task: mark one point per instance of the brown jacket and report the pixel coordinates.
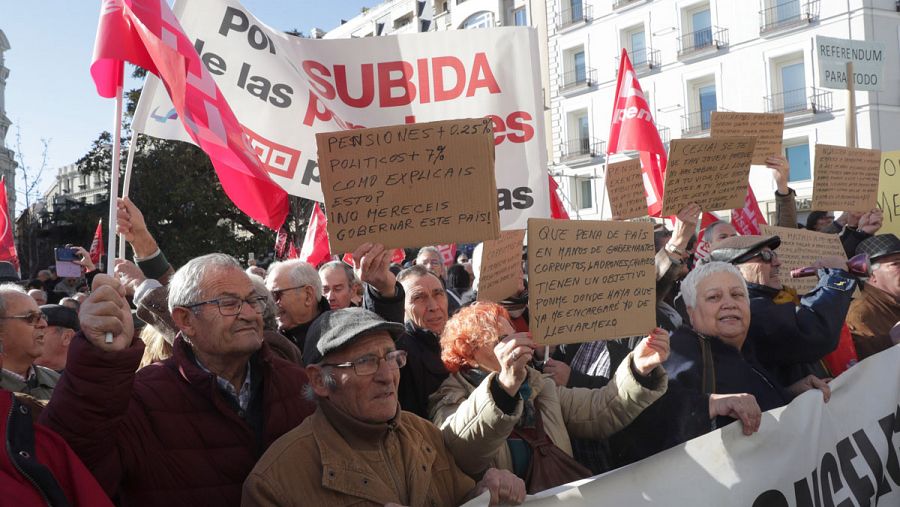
(321, 463)
(870, 319)
(476, 429)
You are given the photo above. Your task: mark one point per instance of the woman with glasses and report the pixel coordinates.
(496, 411)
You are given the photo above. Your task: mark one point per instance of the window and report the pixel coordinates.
(483, 19)
(578, 144)
(585, 193)
(707, 100)
(701, 101)
(520, 17)
(798, 157)
(578, 63)
(701, 24)
(635, 41)
(576, 9)
(793, 86)
(576, 73)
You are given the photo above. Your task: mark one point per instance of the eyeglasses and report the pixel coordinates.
(278, 293)
(230, 305)
(766, 256)
(29, 318)
(368, 364)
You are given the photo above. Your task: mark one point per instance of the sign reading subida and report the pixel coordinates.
(867, 58)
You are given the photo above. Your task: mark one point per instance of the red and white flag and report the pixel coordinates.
(557, 210)
(747, 220)
(702, 250)
(97, 247)
(7, 244)
(146, 33)
(281, 242)
(292, 251)
(315, 247)
(632, 128)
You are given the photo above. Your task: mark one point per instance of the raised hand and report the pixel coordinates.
(84, 258)
(107, 311)
(505, 487)
(372, 263)
(513, 353)
(559, 371)
(130, 223)
(781, 170)
(870, 222)
(737, 406)
(651, 351)
(129, 275)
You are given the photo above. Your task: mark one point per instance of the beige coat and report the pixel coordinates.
(475, 429)
(314, 465)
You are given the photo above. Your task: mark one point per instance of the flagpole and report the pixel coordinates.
(126, 184)
(114, 186)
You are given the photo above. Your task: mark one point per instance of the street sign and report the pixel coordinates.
(867, 58)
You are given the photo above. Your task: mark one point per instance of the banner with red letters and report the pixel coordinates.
(284, 89)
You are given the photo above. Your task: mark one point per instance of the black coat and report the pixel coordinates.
(424, 371)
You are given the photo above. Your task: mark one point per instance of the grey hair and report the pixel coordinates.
(301, 273)
(184, 288)
(328, 381)
(5, 289)
(351, 276)
(429, 249)
(693, 279)
(259, 286)
(416, 270)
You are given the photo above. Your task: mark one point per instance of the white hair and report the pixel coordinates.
(699, 273)
(184, 288)
(476, 265)
(300, 273)
(5, 290)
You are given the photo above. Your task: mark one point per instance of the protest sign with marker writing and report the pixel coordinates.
(766, 128)
(711, 172)
(845, 178)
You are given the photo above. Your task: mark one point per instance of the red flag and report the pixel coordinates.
(7, 244)
(557, 210)
(398, 257)
(748, 219)
(315, 245)
(147, 24)
(292, 251)
(701, 251)
(97, 247)
(632, 128)
(281, 242)
(448, 253)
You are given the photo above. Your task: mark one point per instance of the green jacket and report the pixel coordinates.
(39, 387)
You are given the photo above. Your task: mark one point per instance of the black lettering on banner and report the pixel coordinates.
(873, 461)
(890, 425)
(861, 487)
(831, 482)
(805, 495)
(771, 498)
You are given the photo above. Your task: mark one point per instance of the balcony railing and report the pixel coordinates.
(643, 60)
(803, 100)
(713, 37)
(618, 4)
(577, 79)
(578, 13)
(788, 14)
(665, 134)
(582, 148)
(696, 122)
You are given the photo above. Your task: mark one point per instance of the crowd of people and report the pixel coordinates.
(393, 384)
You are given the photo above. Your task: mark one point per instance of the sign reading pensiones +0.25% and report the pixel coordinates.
(590, 280)
(410, 185)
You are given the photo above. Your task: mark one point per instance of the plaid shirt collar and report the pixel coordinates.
(242, 397)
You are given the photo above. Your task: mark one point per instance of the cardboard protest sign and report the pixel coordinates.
(500, 271)
(766, 128)
(410, 185)
(801, 248)
(845, 178)
(625, 188)
(285, 89)
(713, 172)
(889, 192)
(590, 280)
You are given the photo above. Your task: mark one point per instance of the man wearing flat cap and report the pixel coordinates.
(62, 324)
(790, 333)
(874, 315)
(359, 447)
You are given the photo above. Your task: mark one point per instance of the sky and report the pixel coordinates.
(49, 92)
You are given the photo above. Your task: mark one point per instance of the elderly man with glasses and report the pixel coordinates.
(360, 447)
(22, 328)
(189, 429)
(790, 333)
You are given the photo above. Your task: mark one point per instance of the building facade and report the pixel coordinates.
(693, 57)
(76, 188)
(7, 157)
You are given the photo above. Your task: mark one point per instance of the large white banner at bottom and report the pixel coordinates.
(842, 453)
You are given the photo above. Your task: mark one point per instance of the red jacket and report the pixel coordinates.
(166, 435)
(48, 474)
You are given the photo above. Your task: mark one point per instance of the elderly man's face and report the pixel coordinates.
(336, 288)
(296, 304)
(369, 398)
(22, 342)
(760, 271)
(720, 232)
(824, 222)
(56, 347)
(886, 274)
(219, 335)
(722, 309)
(432, 262)
(39, 296)
(426, 303)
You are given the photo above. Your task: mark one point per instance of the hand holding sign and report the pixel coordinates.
(372, 263)
(781, 170)
(513, 352)
(651, 351)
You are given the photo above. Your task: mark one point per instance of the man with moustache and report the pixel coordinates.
(789, 334)
(22, 328)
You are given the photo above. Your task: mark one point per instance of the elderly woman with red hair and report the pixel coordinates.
(495, 411)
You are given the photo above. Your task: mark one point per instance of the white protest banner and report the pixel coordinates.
(868, 63)
(285, 89)
(810, 453)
